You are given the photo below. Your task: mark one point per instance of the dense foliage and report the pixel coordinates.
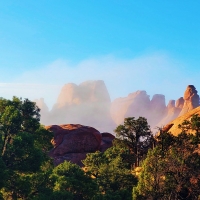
(137, 166)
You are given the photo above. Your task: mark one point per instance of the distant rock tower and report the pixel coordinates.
(191, 99)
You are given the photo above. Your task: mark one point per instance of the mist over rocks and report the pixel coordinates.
(121, 107)
(44, 110)
(89, 104)
(155, 110)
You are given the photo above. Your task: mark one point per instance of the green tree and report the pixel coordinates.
(137, 135)
(16, 116)
(23, 146)
(71, 182)
(111, 173)
(171, 171)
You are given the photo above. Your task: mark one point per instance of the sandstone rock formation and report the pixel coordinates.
(139, 104)
(87, 103)
(157, 109)
(172, 112)
(73, 141)
(173, 125)
(191, 99)
(135, 104)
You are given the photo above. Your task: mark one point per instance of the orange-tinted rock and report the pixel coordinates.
(191, 99)
(173, 125)
(172, 112)
(87, 103)
(134, 105)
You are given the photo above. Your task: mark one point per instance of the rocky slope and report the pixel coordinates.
(173, 125)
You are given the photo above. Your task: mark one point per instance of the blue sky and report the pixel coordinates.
(131, 45)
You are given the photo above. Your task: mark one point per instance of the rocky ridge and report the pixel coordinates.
(89, 104)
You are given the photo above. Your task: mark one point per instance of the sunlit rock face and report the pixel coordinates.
(171, 113)
(135, 104)
(73, 141)
(139, 104)
(183, 105)
(87, 103)
(191, 99)
(172, 126)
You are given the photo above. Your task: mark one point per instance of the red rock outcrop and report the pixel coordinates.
(191, 99)
(73, 141)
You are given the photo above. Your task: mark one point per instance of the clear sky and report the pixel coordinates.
(131, 45)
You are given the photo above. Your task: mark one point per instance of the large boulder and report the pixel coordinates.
(73, 141)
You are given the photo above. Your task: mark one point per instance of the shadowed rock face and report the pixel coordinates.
(180, 103)
(106, 141)
(73, 141)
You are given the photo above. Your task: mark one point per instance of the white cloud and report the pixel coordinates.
(155, 73)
